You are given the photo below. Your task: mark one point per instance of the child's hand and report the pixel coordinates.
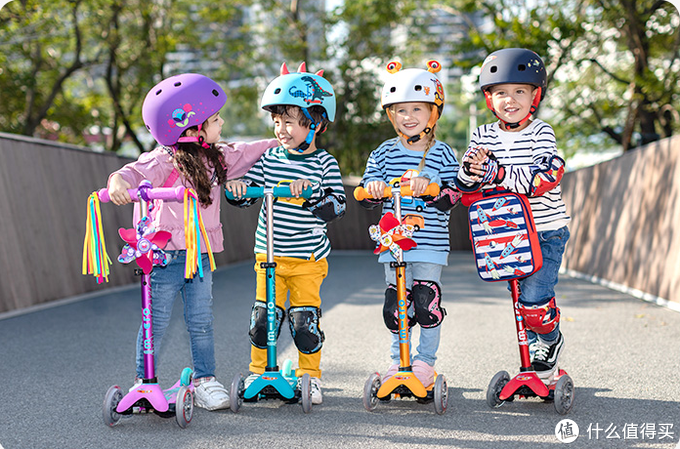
(376, 189)
(473, 161)
(419, 184)
(118, 190)
(297, 186)
(236, 188)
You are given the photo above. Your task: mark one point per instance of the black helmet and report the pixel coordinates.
(513, 66)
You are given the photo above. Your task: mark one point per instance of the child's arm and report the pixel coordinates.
(329, 203)
(154, 166)
(239, 157)
(374, 178)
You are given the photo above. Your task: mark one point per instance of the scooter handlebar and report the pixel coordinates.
(147, 193)
(277, 192)
(361, 193)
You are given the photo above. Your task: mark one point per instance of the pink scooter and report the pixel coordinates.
(145, 246)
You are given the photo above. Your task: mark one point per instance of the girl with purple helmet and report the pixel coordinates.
(182, 114)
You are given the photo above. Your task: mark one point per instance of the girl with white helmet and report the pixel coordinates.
(413, 100)
(182, 114)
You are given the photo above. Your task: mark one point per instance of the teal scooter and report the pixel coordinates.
(274, 383)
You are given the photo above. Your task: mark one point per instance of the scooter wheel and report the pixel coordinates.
(236, 393)
(564, 394)
(184, 406)
(371, 388)
(111, 400)
(495, 387)
(306, 393)
(441, 395)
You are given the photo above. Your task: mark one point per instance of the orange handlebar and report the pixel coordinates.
(361, 194)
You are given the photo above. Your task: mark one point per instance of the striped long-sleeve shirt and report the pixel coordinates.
(391, 160)
(297, 232)
(522, 154)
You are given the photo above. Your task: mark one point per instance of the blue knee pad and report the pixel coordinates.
(304, 327)
(258, 324)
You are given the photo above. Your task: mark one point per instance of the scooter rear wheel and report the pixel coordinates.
(236, 393)
(371, 388)
(184, 406)
(564, 394)
(441, 395)
(111, 400)
(306, 393)
(495, 387)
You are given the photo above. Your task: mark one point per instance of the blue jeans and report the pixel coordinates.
(166, 282)
(429, 337)
(539, 288)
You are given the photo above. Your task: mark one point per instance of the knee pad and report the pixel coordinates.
(304, 327)
(391, 310)
(427, 301)
(258, 324)
(541, 319)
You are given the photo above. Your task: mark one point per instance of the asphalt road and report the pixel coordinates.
(622, 353)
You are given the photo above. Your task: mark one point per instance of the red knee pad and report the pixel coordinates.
(541, 319)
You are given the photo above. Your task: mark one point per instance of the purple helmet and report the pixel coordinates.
(178, 103)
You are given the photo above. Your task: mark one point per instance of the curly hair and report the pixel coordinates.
(193, 161)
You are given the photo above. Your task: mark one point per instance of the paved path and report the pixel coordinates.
(623, 354)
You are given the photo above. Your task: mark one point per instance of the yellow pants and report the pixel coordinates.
(302, 278)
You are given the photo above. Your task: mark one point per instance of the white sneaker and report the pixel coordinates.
(317, 398)
(210, 394)
(249, 380)
(134, 386)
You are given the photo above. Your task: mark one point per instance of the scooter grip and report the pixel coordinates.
(361, 194)
(278, 192)
(160, 193)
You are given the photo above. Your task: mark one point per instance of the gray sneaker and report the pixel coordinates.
(317, 397)
(210, 394)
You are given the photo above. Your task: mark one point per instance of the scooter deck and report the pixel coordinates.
(272, 385)
(405, 379)
(528, 384)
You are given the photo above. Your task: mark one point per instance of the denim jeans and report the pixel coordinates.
(166, 282)
(539, 288)
(429, 337)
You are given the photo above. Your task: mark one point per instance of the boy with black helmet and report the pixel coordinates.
(519, 153)
(302, 104)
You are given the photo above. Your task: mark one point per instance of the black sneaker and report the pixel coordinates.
(546, 357)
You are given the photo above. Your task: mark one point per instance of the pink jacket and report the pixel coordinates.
(156, 166)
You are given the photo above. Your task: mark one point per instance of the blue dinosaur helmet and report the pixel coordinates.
(301, 88)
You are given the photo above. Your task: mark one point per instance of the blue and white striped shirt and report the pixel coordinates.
(391, 160)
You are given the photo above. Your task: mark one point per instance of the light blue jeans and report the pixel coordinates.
(539, 288)
(429, 337)
(166, 282)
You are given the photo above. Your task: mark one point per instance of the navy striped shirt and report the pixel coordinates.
(390, 161)
(522, 154)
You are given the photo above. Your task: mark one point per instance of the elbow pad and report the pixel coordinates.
(544, 180)
(330, 207)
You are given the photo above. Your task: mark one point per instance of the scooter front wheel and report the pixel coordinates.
(236, 393)
(184, 406)
(371, 388)
(111, 400)
(495, 387)
(564, 394)
(306, 393)
(441, 395)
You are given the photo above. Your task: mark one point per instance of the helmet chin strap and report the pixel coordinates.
(310, 135)
(198, 139)
(434, 116)
(515, 125)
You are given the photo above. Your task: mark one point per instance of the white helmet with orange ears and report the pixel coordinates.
(414, 85)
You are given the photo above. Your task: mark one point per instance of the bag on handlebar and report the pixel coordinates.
(503, 235)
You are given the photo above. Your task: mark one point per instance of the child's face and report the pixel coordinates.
(411, 118)
(288, 131)
(212, 128)
(512, 102)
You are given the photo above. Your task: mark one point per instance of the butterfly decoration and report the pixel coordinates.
(392, 235)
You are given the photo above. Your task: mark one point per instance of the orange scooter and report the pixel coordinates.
(393, 234)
